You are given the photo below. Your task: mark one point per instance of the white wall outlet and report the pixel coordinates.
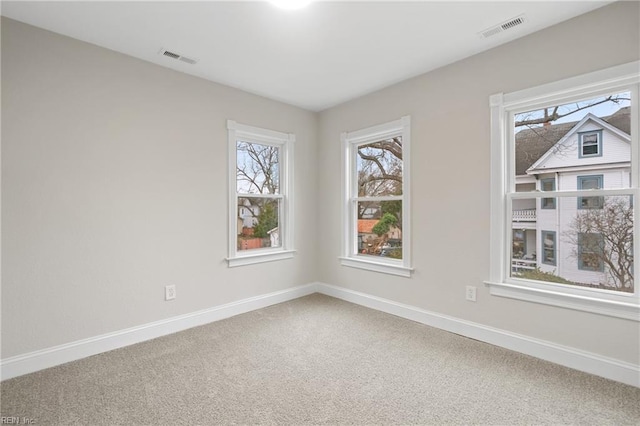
(169, 292)
(471, 293)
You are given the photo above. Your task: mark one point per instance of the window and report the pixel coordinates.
(260, 176)
(590, 182)
(548, 247)
(591, 252)
(519, 245)
(583, 130)
(376, 225)
(548, 184)
(590, 144)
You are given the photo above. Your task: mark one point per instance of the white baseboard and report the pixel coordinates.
(39, 360)
(569, 357)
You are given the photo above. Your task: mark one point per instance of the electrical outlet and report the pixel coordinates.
(169, 292)
(471, 293)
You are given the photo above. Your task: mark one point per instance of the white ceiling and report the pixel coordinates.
(316, 57)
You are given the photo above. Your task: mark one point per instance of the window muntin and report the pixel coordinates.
(548, 247)
(376, 234)
(590, 182)
(548, 184)
(259, 204)
(507, 191)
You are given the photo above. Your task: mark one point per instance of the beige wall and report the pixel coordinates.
(114, 184)
(449, 110)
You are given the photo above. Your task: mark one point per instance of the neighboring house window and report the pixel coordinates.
(590, 144)
(587, 254)
(519, 245)
(548, 247)
(590, 252)
(260, 176)
(376, 221)
(548, 185)
(590, 182)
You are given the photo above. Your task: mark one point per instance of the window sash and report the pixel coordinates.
(553, 248)
(596, 142)
(278, 164)
(590, 202)
(582, 250)
(548, 203)
(350, 255)
(284, 142)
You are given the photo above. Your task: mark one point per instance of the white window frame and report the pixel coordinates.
(350, 141)
(285, 141)
(620, 78)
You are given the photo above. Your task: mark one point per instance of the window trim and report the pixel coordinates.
(620, 78)
(580, 183)
(555, 247)
(285, 141)
(350, 256)
(581, 136)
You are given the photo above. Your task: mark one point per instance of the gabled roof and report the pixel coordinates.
(533, 143)
(574, 129)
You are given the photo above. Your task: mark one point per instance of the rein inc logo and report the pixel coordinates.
(6, 420)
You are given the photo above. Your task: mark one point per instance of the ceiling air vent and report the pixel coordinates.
(512, 23)
(177, 56)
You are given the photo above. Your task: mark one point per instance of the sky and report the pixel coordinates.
(601, 110)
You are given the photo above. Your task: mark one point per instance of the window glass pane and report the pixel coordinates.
(582, 247)
(258, 220)
(519, 245)
(590, 251)
(548, 185)
(258, 168)
(380, 228)
(580, 134)
(548, 247)
(590, 182)
(379, 168)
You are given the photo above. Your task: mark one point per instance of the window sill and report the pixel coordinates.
(262, 257)
(628, 310)
(370, 265)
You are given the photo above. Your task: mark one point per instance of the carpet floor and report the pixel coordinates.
(316, 360)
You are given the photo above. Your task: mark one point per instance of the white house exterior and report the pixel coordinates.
(593, 153)
(248, 215)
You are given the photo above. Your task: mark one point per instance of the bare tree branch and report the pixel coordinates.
(555, 115)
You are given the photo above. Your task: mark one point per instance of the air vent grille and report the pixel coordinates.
(512, 23)
(171, 54)
(177, 56)
(497, 29)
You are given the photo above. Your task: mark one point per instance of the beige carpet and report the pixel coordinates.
(316, 360)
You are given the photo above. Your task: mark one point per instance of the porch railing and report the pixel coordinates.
(528, 215)
(521, 265)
